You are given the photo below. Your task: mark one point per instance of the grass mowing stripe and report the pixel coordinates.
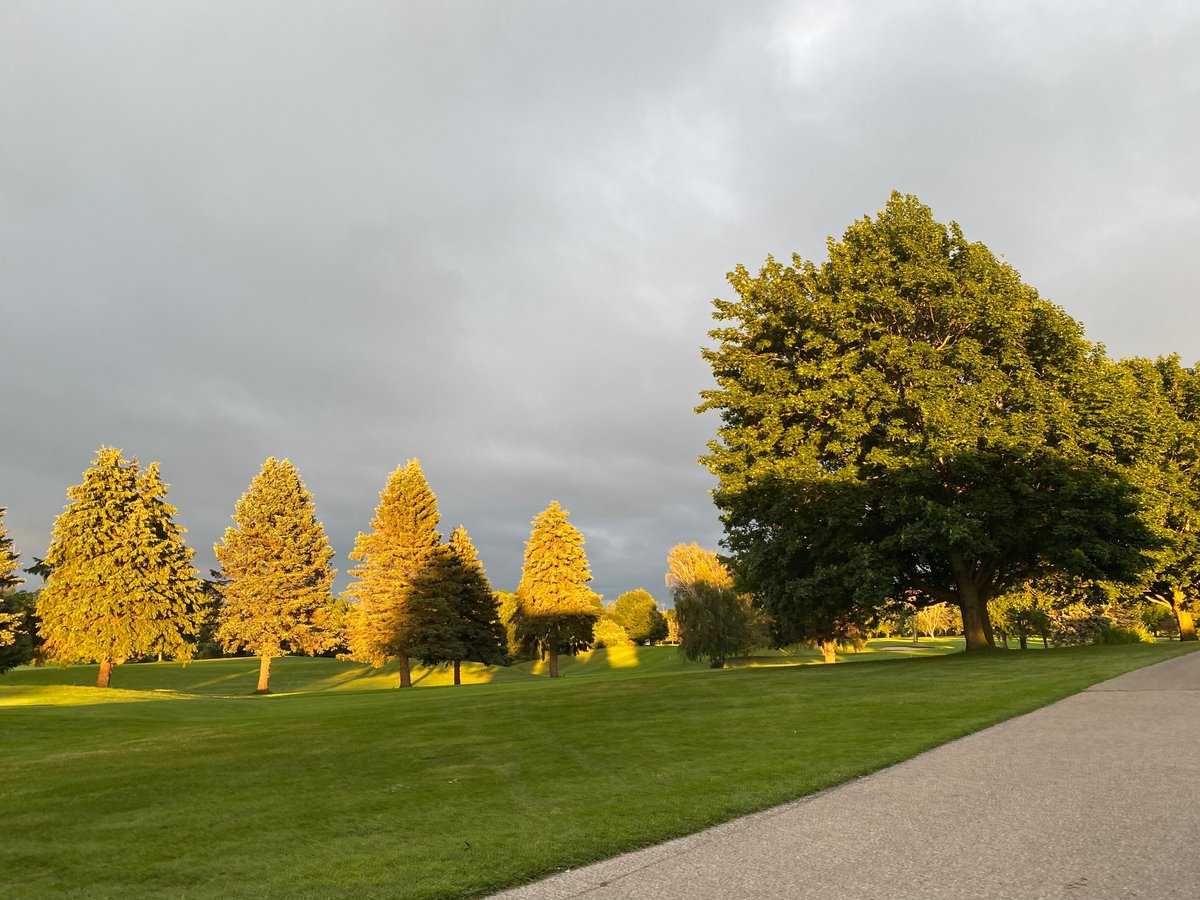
(455, 792)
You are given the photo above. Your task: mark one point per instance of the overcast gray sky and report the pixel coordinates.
(487, 234)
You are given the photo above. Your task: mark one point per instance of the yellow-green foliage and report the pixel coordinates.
(121, 581)
(558, 609)
(400, 547)
(609, 634)
(276, 559)
(714, 622)
(9, 622)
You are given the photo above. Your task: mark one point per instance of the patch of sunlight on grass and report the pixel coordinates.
(69, 695)
(624, 656)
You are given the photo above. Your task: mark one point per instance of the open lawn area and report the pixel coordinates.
(176, 783)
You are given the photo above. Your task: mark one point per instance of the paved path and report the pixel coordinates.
(1097, 796)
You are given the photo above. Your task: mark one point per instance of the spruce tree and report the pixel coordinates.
(120, 582)
(476, 611)
(9, 622)
(276, 561)
(401, 611)
(558, 611)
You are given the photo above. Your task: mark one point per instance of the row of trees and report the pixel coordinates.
(908, 421)
(120, 585)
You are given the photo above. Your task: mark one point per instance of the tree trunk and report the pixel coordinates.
(1023, 639)
(1187, 628)
(405, 672)
(553, 664)
(977, 627)
(915, 629)
(105, 675)
(457, 674)
(264, 675)
(829, 651)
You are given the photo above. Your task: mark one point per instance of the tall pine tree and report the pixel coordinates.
(402, 610)
(120, 581)
(476, 610)
(558, 610)
(276, 561)
(9, 622)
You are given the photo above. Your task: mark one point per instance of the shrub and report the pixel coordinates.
(1123, 634)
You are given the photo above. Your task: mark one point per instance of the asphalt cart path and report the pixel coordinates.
(1096, 796)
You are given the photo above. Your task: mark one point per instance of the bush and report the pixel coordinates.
(1122, 634)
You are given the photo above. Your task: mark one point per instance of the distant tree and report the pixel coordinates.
(933, 620)
(401, 554)
(715, 623)
(119, 578)
(672, 621)
(910, 416)
(558, 611)
(10, 622)
(276, 560)
(637, 612)
(609, 633)
(476, 613)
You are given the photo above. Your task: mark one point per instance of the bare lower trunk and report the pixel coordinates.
(1187, 628)
(264, 675)
(457, 673)
(976, 624)
(1024, 640)
(405, 672)
(553, 664)
(105, 674)
(828, 651)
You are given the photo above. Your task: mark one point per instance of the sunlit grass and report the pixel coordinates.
(454, 791)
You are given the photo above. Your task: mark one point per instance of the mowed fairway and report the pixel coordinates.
(343, 789)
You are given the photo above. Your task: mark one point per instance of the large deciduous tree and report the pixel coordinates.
(638, 613)
(275, 572)
(905, 419)
(557, 609)
(402, 609)
(119, 579)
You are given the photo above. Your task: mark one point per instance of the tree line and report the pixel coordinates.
(120, 584)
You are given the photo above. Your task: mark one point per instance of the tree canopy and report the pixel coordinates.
(119, 579)
(909, 419)
(275, 563)
(10, 621)
(714, 622)
(637, 612)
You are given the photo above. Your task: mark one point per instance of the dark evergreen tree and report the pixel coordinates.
(480, 635)
(119, 578)
(10, 621)
(275, 563)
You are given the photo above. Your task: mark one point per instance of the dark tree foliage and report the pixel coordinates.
(906, 418)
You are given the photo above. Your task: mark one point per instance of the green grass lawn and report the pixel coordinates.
(177, 783)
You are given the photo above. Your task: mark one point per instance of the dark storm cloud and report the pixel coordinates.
(487, 234)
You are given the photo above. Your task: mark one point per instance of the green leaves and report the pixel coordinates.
(907, 401)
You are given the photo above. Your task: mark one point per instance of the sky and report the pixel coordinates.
(487, 234)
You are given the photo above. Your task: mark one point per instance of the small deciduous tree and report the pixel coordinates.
(119, 579)
(275, 563)
(609, 633)
(715, 623)
(638, 613)
(558, 610)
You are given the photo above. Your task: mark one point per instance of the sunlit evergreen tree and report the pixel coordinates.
(558, 610)
(120, 582)
(275, 563)
(402, 547)
(9, 621)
